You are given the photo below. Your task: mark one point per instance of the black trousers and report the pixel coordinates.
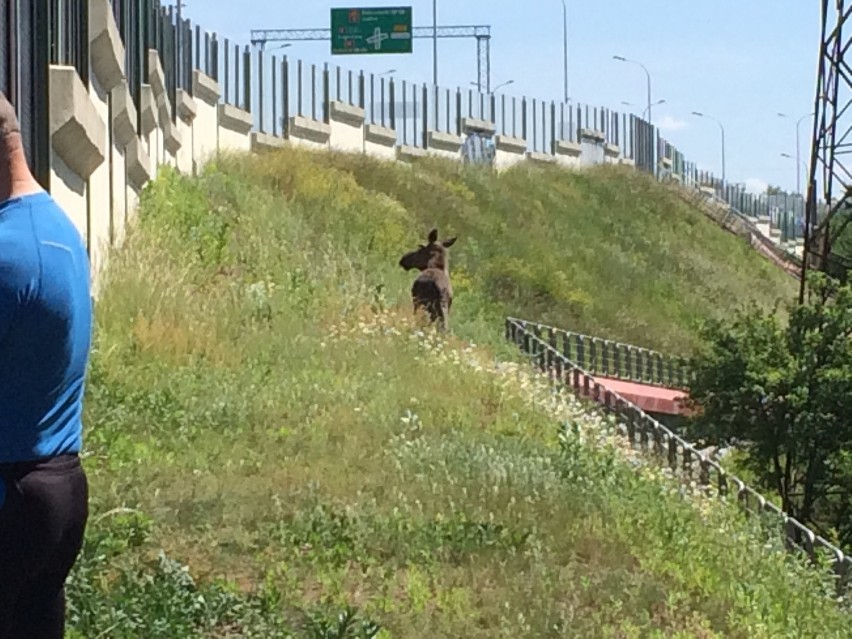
(42, 523)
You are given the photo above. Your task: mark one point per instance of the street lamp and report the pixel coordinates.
(388, 72)
(645, 110)
(280, 46)
(702, 115)
(648, 75)
(565, 47)
(798, 157)
(494, 90)
(787, 155)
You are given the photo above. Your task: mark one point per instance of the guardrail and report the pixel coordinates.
(616, 360)
(649, 435)
(738, 223)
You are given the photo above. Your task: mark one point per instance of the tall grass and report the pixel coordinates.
(276, 448)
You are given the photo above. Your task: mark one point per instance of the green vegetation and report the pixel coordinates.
(786, 394)
(277, 449)
(608, 253)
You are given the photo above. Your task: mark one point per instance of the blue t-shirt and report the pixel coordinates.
(45, 329)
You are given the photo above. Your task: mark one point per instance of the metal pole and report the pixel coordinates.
(179, 38)
(798, 147)
(565, 47)
(435, 42)
(722, 128)
(649, 94)
(648, 76)
(798, 156)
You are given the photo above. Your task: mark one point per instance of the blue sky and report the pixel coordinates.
(741, 61)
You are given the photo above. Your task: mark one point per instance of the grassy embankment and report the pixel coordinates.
(262, 410)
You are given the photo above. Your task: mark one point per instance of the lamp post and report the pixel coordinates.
(790, 157)
(798, 157)
(645, 110)
(702, 115)
(494, 90)
(388, 72)
(565, 48)
(648, 75)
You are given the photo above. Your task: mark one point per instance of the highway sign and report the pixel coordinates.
(371, 30)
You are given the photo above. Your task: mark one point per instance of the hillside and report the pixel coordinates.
(271, 442)
(607, 252)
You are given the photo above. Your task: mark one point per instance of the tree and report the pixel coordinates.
(784, 395)
(840, 258)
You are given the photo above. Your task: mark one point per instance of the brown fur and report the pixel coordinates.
(432, 291)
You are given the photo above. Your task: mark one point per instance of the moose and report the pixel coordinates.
(432, 290)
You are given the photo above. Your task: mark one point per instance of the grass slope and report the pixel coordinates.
(609, 252)
(276, 449)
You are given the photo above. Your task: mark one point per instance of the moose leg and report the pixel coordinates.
(445, 317)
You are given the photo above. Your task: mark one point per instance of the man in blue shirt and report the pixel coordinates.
(45, 336)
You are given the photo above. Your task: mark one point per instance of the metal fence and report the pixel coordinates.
(26, 49)
(615, 360)
(274, 88)
(681, 457)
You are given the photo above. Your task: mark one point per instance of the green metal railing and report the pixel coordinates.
(606, 358)
(685, 461)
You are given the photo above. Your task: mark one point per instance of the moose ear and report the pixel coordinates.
(433, 236)
(448, 243)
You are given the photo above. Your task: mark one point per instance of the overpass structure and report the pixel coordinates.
(482, 34)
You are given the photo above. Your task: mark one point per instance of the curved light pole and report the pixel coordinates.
(645, 110)
(790, 157)
(798, 157)
(648, 75)
(494, 90)
(703, 115)
(565, 48)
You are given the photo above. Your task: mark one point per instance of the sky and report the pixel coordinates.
(739, 61)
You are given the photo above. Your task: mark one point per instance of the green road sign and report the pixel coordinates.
(374, 30)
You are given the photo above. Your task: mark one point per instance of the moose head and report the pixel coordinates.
(432, 255)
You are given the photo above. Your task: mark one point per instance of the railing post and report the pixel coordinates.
(260, 101)
(628, 361)
(592, 366)
(616, 360)
(326, 95)
(673, 454)
(425, 116)
(285, 97)
(247, 79)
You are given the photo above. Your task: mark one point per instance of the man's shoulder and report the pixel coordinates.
(29, 226)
